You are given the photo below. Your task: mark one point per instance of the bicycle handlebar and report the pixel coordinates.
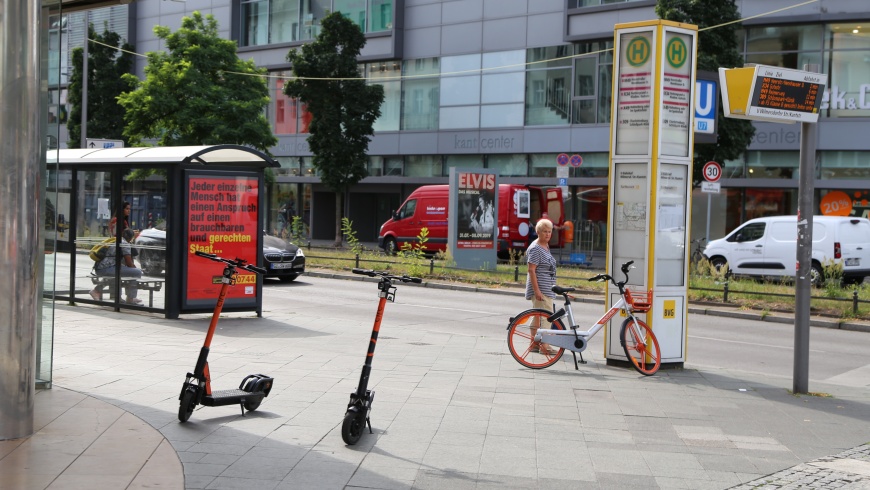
(386, 275)
(606, 277)
(237, 262)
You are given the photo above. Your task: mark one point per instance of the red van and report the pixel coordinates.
(518, 205)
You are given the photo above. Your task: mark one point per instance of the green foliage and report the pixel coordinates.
(199, 93)
(297, 231)
(350, 235)
(417, 250)
(343, 107)
(105, 82)
(832, 272)
(716, 48)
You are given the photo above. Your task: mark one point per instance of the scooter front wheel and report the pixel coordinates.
(188, 403)
(352, 427)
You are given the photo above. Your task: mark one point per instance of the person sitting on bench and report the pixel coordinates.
(106, 268)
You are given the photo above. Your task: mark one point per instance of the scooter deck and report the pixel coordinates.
(230, 397)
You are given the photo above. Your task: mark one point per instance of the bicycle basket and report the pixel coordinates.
(640, 302)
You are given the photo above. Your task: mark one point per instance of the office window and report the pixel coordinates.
(422, 166)
(283, 21)
(354, 10)
(509, 165)
(387, 74)
(548, 82)
(420, 96)
(255, 23)
(380, 15)
(542, 165)
(590, 103)
(462, 161)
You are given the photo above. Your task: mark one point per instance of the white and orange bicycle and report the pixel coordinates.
(537, 338)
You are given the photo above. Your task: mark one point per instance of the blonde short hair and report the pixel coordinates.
(543, 224)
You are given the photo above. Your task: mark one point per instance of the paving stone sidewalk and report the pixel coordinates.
(849, 470)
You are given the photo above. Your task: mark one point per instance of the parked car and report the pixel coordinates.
(767, 247)
(281, 259)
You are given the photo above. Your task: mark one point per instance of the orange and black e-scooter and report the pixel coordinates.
(357, 415)
(197, 386)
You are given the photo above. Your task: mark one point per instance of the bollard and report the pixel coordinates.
(516, 273)
(357, 261)
(431, 266)
(725, 296)
(855, 302)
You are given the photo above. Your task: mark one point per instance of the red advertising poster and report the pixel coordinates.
(476, 221)
(222, 219)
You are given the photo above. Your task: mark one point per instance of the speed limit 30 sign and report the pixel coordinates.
(712, 172)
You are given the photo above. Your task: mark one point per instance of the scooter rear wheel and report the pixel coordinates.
(251, 405)
(188, 403)
(352, 428)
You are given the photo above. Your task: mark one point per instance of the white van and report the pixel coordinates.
(767, 247)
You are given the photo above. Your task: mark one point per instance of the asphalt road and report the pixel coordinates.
(836, 356)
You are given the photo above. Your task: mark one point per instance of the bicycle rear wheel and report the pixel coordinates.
(521, 342)
(641, 346)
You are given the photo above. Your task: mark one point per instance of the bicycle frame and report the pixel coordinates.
(567, 338)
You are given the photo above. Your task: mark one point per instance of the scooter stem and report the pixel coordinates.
(227, 279)
(367, 367)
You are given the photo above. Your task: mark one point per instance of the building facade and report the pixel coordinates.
(511, 84)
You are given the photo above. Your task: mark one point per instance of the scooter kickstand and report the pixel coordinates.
(242, 406)
(369, 423)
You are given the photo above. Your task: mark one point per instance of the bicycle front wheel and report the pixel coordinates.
(641, 346)
(521, 339)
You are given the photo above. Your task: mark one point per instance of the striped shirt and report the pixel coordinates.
(545, 270)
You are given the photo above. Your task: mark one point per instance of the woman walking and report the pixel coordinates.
(541, 277)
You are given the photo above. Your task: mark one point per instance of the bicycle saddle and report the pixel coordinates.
(561, 290)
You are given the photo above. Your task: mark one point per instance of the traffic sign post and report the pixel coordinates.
(775, 94)
(712, 173)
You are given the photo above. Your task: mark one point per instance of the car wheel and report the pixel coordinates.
(390, 246)
(288, 278)
(817, 275)
(718, 263)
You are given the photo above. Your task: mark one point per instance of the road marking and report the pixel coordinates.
(789, 347)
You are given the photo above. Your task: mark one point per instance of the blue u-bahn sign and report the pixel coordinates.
(705, 106)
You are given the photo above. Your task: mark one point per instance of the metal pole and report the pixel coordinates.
(22, 126)
(809, 136)
(85, 80)
(707, 233)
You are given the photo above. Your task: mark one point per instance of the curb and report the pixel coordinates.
(698, 310)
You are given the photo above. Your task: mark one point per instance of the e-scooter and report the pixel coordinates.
(357, 415)
(196, 389)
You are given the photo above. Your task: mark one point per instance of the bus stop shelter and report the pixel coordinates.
(178, 200)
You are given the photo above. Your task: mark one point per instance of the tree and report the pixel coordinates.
(106, 67)
(199, 92)
(343, 107)
(716, 48)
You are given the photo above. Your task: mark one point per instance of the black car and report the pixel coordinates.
(281, 258)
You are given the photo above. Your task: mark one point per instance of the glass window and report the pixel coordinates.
(548, 97)
(380, 15)
(420, 96)
(585, 76)
(503, 87)
(387, 75)
(543, 165)
(290, 166)
(784, 38)
(354, 10)
(286, 114)
(848, 92)
(786, 60)
(590, 102)
(393, 166)
(284, 21)
(460, 90)
(515, 165)
(501, 116)
(772, 164)
(255, 23)
(549, 57)
(748, 233)
(847, 36)
(462, 161)
(845, 164)
(594, 165)
(422, 166)
(312, 12)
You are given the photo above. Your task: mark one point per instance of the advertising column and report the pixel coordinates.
(222, 218)
(650, 172)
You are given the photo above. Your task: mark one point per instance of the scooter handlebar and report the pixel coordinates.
(237, 262)
(254, 268)
(387, 275)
